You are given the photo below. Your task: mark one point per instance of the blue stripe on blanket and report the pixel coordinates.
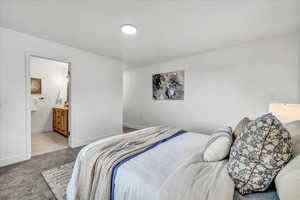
(116, 167)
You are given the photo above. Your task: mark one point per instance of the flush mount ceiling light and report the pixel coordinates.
(128, 29)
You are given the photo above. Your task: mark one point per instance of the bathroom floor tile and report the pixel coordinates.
(48, 142)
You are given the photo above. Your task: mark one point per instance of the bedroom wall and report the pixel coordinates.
(54, 91)
(96, 93)
(221, 86)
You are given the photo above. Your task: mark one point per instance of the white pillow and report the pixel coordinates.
(294, 129)
(218, 147)
(288, 180)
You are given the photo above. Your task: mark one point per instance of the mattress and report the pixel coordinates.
(142, 176)
(268, 195)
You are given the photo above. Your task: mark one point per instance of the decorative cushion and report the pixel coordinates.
(294, 129)
(288, 180)
(218, 147)
(240, 127)
(258, 154)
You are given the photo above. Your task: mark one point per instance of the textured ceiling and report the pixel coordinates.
(166, 28)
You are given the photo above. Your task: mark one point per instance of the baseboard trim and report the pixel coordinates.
(91, 140)
(41, 130)
(134, 126)
(13, 159)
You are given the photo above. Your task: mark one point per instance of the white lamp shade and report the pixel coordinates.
(285, 112)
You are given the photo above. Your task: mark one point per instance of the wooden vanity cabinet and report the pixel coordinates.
(61, 120)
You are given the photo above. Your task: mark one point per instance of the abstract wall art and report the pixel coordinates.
(168, 86)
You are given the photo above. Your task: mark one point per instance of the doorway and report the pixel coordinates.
(48, 104)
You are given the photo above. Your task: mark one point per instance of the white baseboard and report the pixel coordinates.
(90, 140)
(41, 130)
(134, 126)
(13, 159)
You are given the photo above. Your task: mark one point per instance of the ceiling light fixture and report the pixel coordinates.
(128, 29)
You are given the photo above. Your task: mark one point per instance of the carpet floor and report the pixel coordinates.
(23, 181)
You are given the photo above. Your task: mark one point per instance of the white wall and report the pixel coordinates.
(96, 93)
(221, 86)
(54, 91)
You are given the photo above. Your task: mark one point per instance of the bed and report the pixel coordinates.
(142, 176)
(154, 172)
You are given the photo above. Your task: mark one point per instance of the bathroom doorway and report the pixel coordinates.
(48, 99)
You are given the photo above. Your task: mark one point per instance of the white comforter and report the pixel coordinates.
(146, 175)
(142, 176)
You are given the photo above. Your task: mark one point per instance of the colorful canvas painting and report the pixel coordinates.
(168, 86)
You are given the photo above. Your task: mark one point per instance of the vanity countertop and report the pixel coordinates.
(62, 108)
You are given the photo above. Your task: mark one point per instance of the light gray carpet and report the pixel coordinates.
(24, 181)
(58, 178)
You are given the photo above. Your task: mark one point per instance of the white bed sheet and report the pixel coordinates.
(142, 176)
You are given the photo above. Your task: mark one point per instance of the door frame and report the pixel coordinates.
(28, 55)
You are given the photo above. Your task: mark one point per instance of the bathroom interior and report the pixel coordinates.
(50, 83)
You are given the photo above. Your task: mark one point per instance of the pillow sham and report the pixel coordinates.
(240, 127)
(288, 180)
(294, 129)
(218, 147)
(258, 154)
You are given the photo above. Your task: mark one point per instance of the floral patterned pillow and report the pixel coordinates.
(240, 127)
(258, 154)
